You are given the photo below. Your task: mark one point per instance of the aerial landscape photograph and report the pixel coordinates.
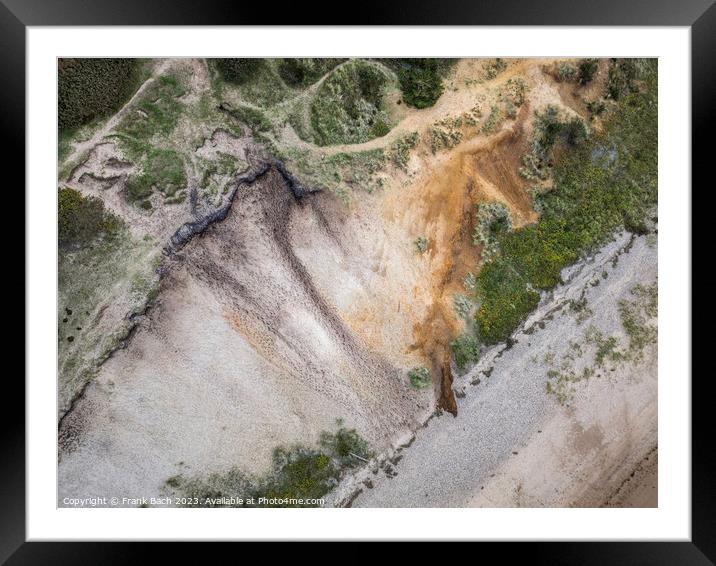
(357, 282)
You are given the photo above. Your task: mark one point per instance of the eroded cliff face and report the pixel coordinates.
(281, 309)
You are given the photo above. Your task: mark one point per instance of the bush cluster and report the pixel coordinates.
(238, 71)
(298, 72)
(592, 197)
(348, 107)
(81, 220)
(93, 88)
(421, 80)
(297, 472)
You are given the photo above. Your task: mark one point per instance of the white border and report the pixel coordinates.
(670, 521)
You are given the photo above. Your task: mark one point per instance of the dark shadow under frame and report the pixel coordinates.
(700, 15)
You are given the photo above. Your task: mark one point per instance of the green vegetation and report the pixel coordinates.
(550, 127)
(163, 169)
(421, 244)
(603, 184)
(446, 133)
(596, 108)
(99, 265)
(567, 72)
(296, 473)
(156, 113)
(339, 172)
(152, 119)
(587, 70)
(421, 80)
(82, 220)
(419, 378)
(491, 220)
(494, 67)
(88, 89)
(636, 317)
(625, 75)
(463, 306)
(465, 350)
(348, 107)
(304, 72)
(400, 149)
(238, 71)
(254, 118)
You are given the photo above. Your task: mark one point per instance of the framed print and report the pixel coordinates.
(424, 280)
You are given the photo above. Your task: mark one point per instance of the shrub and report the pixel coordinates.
(238, 71)
(93, 88)
(620, 82)
(419, 377)
(345, 446)
(587, 70)
(348, 105)
(303, 72)
(465, 350)
(494, 67)
(491, 220)
(421, 80)
(400, 149)
(297, 472)
(254, 118)
(566, 72)
(81, 220)
(421, 244)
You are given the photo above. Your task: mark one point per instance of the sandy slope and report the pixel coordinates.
(512, 443)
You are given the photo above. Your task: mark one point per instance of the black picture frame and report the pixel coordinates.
(699, 15)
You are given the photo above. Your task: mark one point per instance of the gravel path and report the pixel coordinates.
(451, 460)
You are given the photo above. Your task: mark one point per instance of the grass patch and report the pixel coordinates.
(157, 112)
(297, 473)
(163, 169)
